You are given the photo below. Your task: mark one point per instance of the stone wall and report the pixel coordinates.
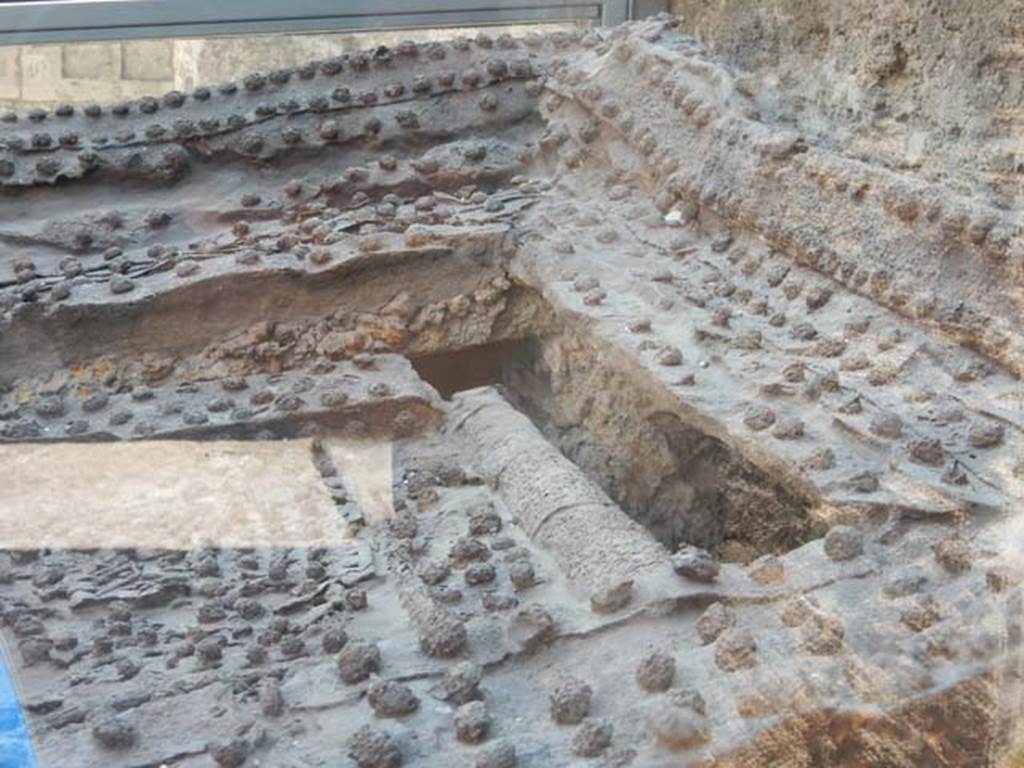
(45, 74)
(41, 75)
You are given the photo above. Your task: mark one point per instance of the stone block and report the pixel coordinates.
(89, 61)
(151, 60)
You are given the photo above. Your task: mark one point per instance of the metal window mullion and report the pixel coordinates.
(64, 20)
(615, 12)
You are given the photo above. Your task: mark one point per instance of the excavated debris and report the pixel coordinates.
(706, 430)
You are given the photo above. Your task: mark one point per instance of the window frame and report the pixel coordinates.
(56, 21)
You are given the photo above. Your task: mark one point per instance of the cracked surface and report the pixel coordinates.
(639, 425)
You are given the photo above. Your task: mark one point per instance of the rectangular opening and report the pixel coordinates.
(653, 459)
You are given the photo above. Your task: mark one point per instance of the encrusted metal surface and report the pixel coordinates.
(741, 485)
